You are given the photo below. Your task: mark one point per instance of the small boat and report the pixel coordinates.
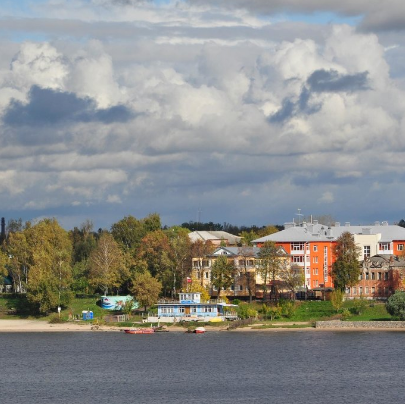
(139, 331)
(198, 330)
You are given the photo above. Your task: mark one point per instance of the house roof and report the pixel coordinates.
(242, 251)
(214, 236)
(308, 232)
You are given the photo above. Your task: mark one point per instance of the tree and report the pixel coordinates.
(107, 268)
(154, 254)
(248, 237)
(396, 305)
(50, 273)
(292, 277)
(200, 250)
(247, 254)
(336, 299)
(222, 273)
(179, 254)
(271, 260)
(146, 289)
(195, 286)
(346, 268)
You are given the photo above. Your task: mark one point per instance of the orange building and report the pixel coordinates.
(311, 246)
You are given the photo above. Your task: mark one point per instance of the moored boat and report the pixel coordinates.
(139, 331)
(199, 330)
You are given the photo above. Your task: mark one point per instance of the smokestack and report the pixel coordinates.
(3, 229)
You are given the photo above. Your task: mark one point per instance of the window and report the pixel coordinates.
(207, 309)
(315, 248)
(207, 275)
(347, 291)
(360, 290)
(315, 271)
(379, 276)
(182, 309)
(298, 258)
(315, 283)
(373, 291)
(297, 246)
(367, 276)
(400, 247)
(386, 276)
(240, 287)
(366, 251)
(367, 290)
(385, 246)
(354, 291)
(232, 287)
(373, 276)
(315, 260)
(167, 310)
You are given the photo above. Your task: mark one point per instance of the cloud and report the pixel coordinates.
(125, 108)
(50, 107)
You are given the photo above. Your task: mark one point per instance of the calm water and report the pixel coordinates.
(217, 367)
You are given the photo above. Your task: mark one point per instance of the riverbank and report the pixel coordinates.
(43, 326)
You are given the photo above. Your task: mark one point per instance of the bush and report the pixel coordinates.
(396, 305)
(288, 309)
(346, 314)
(246, 311)
(359, 305)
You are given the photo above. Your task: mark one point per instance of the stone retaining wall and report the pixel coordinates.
(380, 325)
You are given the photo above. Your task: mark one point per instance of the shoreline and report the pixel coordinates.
(11, 326)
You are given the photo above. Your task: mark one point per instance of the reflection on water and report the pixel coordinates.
(216, 367)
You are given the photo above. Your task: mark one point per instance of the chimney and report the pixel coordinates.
(376, 223)
(315, 222)
(3, 230)
(337, 224)
(288, 225)
(347, 224)
(384, 223)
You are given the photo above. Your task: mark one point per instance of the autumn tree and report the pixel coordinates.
(270, 263)
(346, 268)
(107, 269)
(154, 255)
(222, 273)
(196, 287)
(146, 289)
(179, 254)
(50, 273)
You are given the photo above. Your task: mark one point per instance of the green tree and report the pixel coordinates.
(248, 237)
(396, 305)
(107, 269)
(50, 273)
(336, 299)
(346, 268)
(19, 255)
(146, 289)
(222, 273)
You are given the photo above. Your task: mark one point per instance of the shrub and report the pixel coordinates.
(396, 305)
(288, 309)
(246, 311)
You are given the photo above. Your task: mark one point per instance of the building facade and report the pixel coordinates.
(311, 247)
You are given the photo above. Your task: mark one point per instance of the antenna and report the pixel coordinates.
(199, 215)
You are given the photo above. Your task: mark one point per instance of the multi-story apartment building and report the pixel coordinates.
(311, 246)
(246, 263)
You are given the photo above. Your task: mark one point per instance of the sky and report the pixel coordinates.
(237, 111)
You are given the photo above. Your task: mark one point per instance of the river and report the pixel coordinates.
(216, 367)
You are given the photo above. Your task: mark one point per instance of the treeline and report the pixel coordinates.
(229, 228)
(136, 256)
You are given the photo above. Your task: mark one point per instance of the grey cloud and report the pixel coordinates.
(377, 15)
(50, 107)
(331, 81)
(318, 82)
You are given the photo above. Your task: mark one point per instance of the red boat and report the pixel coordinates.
(139, 331)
